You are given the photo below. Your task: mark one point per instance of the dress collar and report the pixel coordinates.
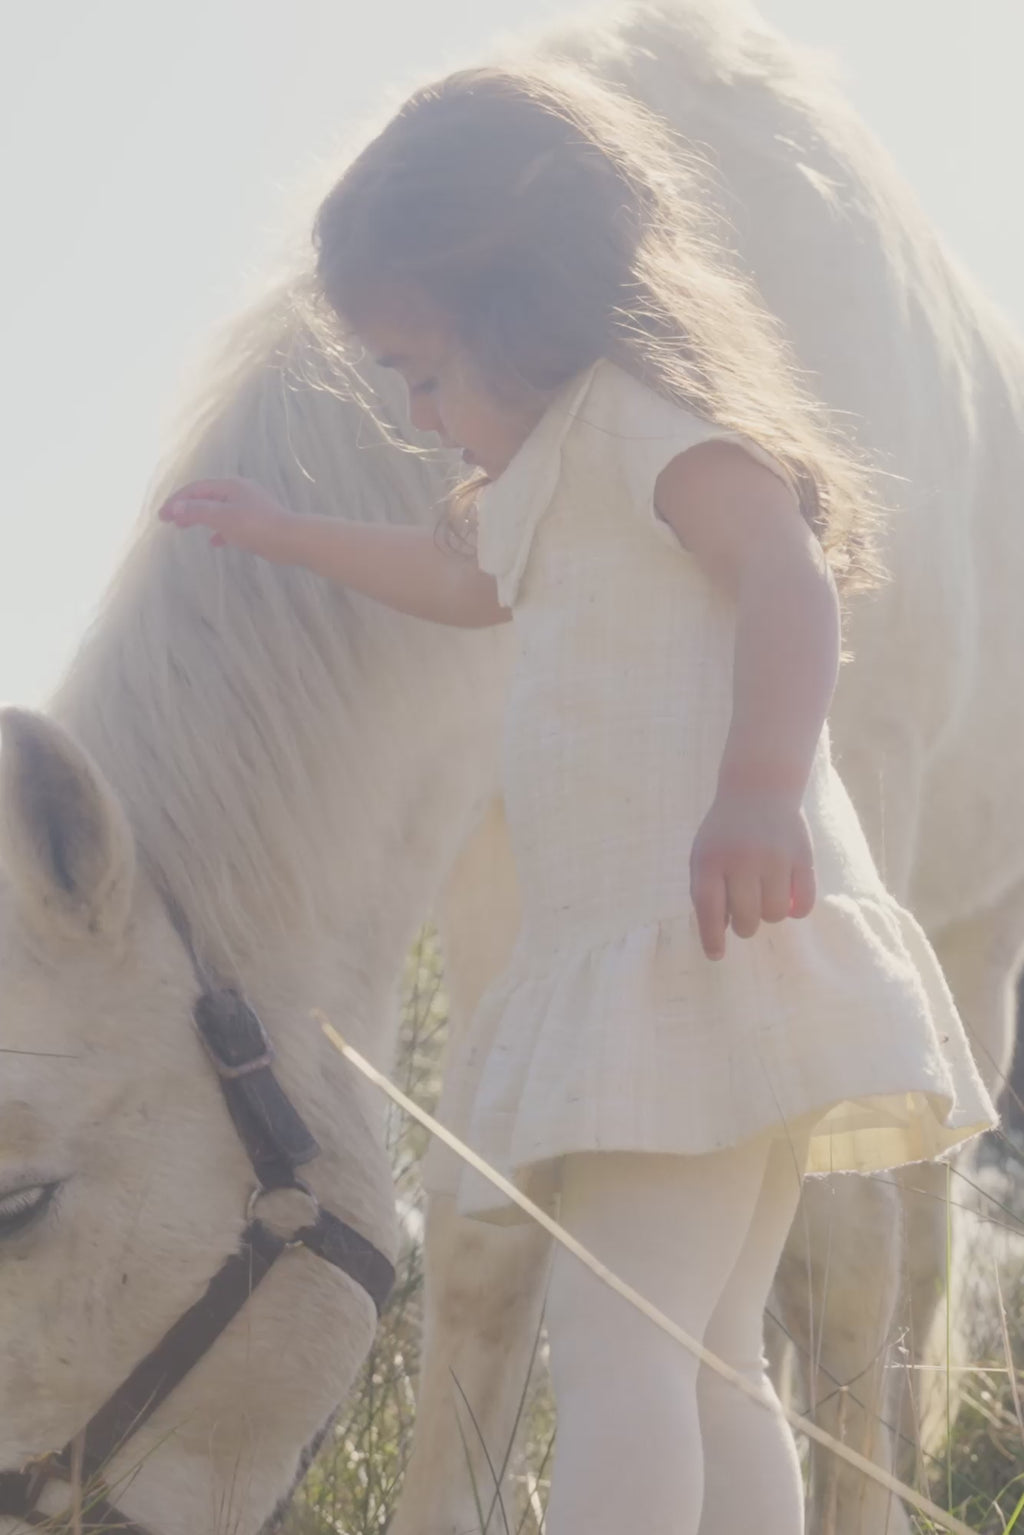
(510, 508)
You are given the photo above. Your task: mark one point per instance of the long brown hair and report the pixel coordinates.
(553, 221)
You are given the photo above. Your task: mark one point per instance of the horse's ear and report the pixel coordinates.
(66, 840)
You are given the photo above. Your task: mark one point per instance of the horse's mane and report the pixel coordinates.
(211, 686)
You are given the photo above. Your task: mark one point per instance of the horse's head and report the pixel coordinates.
(101, 1100)
(123, 1184)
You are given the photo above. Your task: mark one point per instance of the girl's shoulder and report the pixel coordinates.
(606, 436)
(632, 419)
(628, 431)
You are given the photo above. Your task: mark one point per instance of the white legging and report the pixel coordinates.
(646, 1440)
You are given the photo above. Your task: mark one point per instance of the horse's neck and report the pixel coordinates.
(299, 767)
(891, 334)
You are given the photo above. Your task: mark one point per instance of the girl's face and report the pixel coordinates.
(446, 394)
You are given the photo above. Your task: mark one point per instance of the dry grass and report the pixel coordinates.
(983, 1478)
(354, 1484)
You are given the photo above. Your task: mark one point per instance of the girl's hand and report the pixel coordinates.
(752, 862)
(237, 512)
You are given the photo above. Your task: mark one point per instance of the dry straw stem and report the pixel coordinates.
(803, 1425)
(1008, 1350)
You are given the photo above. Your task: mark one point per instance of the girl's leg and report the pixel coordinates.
(750, 1459)
(628, 1453)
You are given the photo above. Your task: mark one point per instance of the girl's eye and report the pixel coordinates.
(425, 386)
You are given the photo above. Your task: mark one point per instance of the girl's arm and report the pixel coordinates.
(402, 567)
(752, 858)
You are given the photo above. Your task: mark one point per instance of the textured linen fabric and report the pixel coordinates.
(610, 1029)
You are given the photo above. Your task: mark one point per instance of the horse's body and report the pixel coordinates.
(303, 770)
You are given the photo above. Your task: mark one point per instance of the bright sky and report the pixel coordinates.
(148, 157)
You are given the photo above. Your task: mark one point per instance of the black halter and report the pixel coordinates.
(278, 1143)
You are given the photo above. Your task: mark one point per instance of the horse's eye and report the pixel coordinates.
(20, 1207)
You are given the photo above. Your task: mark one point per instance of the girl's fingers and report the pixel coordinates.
(776, 891)
(187, 511)
(744, 893)
(711, 906)
(200, 493)
(207, 490)
(803, 891)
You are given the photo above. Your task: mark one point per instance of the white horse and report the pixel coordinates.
(299, 771)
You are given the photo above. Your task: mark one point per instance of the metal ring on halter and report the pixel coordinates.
(299, 1186)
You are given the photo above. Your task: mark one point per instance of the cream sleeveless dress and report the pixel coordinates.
(610, 1029)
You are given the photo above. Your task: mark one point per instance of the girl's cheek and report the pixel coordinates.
(424, 414)
(454, 427)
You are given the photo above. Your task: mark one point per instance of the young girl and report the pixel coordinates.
(712, 992)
